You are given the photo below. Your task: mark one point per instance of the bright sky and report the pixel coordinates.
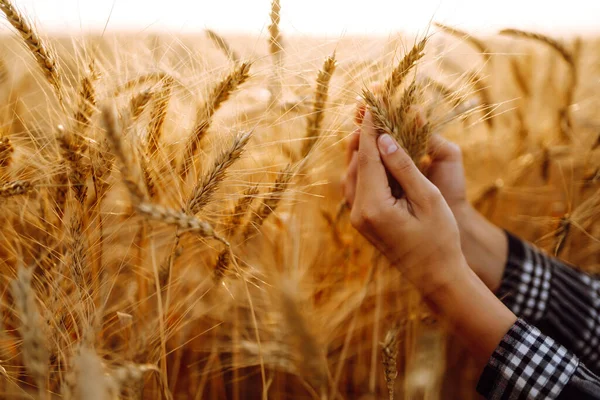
(331, 17)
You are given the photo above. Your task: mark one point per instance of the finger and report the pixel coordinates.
(352, 145)
(417, 187)
(441, 149)
(372, 184)
(350, 180)
(359, 113)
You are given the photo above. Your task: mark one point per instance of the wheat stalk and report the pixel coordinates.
(218, 95)
(315, 119)
(208, 185)
(222, 44)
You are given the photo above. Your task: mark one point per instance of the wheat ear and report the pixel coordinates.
(222, 44)
(239, 211)
(276, 51)
(114, 133)
(404, 67)
(6, 151)
(218, 95)
(471, 40)
(35, 352)
(206, 188)
(15, 188)
(389, 354)
(553, 43)
(315, 119)
(158, 115)
(270, 202)
(41, 50)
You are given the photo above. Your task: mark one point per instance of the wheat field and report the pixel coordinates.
(172, 221)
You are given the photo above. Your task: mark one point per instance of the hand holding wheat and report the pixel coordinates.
(417, 232)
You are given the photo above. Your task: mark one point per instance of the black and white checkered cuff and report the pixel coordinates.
(527, 365)
(525, 285)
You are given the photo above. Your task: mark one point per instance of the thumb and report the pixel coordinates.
(417, 187)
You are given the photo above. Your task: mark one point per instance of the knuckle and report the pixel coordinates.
(454, 150)
(404, 165)
(433, 197)
(364, 217)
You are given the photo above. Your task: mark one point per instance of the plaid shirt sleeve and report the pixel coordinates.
(530, 365)
(564, 304)
(561, 301)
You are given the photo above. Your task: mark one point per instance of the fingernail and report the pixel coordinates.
(387, 145)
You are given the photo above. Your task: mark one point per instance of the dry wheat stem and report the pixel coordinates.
(41, 50)
(217, 96)
(315, 119)
(222, 44)
(209, 184)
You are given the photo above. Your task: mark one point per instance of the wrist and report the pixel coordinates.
(484, 245)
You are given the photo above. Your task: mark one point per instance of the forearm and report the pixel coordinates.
(473, 312)
(484, 245)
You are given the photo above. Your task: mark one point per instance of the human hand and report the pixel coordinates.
(417, 232)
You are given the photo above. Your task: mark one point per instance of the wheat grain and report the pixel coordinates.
(72, 153)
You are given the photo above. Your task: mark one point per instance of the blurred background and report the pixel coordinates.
(318, 17)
